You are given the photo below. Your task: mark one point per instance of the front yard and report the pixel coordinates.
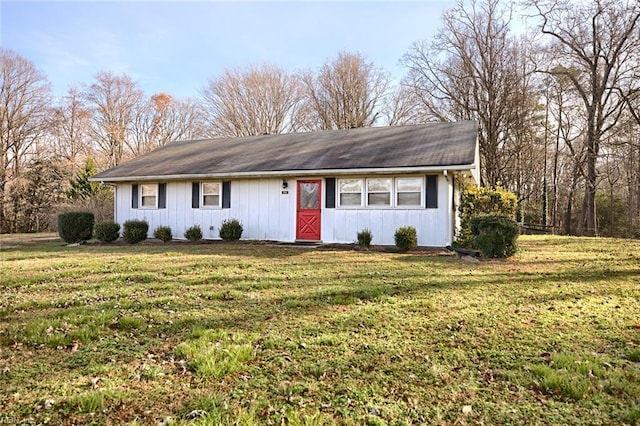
(253, 334)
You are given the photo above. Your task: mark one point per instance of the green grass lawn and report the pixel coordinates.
(252, 334)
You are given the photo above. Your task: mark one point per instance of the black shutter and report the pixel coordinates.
(226, 195)
(195, 195)
(330, 193)
(134, 196)
(162, 195)
(432, 192)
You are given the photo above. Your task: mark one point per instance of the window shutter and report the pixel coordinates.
(162, 196)
(134, 196)
(432, 192)
(330, 193)
(226, 195)
(195, 195)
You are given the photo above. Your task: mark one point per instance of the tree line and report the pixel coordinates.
(557, 100)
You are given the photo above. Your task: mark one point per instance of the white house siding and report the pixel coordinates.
(433, 226)
(267, 212)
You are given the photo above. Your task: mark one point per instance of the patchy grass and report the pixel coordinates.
(246, 333)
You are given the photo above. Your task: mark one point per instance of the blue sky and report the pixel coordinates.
(174, 47)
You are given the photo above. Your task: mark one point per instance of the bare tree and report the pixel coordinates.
(402, 106)
(113, 100)
(595, 46)
(162, 119)
(346, 92)
(70, 129)
(475, 69)
(252, 101)
(24, 102)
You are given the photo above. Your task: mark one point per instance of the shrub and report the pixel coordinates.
(364, 238)
(107, 231)
(75, 226)
(406, 238)
(193, 233)
(495, 235)
(476, 201)
(231, 230)
(135, 231)
(163, 233)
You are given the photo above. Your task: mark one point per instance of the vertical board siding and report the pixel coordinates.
(433, 225)
(268, 214)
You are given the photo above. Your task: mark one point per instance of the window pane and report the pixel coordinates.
(350, 199)
(148, 201)
(350, 185)
(379, 199)
(409, 184)
(409, 198)
(308, 195)
(151, 190)
(211, 200)
(379, 185)
(209, 188)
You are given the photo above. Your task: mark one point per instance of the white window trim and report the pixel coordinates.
(202, 194)
(141, 195)
(391, 193)
(421, 191)
(364, 199)
(362, 192)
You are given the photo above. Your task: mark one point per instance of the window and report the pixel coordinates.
(149, 196)
(409, 191)
(379, 191)
(210, 194)
(350, 192)
(404, 192)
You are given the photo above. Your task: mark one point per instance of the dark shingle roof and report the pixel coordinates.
(396, 147)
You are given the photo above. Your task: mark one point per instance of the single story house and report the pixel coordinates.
(315, 186)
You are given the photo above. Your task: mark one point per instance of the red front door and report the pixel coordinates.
(308, 212)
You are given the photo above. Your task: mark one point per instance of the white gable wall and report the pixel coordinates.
(267, 213)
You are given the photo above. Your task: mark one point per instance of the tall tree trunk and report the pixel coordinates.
(590, 222)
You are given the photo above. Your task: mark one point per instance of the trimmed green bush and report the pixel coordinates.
(476, 201)
(495, 235)
(364, 238)
(135, 231)
(193, 233)
(75, 226)
(163, 233)
(107, 232)
(231, 230)
(406, 238)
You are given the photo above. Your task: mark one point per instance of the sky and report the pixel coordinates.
(175, 46)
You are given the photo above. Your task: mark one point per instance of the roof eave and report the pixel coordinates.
(280, 173)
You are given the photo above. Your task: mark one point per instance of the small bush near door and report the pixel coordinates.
(135, 231)
(75, 226)
(364, 238)
(406, 238)
(163, 233)
(107, 232)
(231, 230)
(193, 233)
